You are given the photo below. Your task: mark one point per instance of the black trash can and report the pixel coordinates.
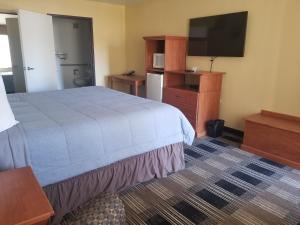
(214, 128)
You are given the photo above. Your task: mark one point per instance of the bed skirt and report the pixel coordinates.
(68, 195)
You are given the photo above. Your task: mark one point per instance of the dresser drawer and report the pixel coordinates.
(187, 110)
(192, 120)
(186, 102)
(188, 98)
(190, 112)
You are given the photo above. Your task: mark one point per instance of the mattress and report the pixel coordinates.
(65, 133)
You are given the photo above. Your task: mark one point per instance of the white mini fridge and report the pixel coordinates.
(154, 86)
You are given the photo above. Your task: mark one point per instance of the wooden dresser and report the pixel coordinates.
(199, 104)
(22, 200)
(275, 136)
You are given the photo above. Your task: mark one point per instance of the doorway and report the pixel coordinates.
(11, 63)
(73, 39)
(63, 55)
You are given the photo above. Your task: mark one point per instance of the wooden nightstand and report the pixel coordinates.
(22, 200)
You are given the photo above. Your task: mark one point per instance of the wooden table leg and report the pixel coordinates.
(110, 82)
(131, 91)
(136, 89)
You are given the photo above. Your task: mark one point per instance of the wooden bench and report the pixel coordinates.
(275, 136)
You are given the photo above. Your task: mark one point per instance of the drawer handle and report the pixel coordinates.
(177, 96)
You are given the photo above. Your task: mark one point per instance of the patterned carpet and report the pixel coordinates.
(220, 185)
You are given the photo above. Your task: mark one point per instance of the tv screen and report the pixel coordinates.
(222, 35)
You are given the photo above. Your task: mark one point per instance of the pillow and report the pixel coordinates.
(7, 118)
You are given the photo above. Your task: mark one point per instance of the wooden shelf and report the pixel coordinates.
(185, 87)
(174, 48)
(155, 70)
(183, 72)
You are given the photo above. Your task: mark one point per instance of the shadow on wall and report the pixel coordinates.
(115, 63)
(118, 86)
(124, 87)
(114, 56)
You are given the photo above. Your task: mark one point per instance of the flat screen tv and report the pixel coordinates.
(221, 35)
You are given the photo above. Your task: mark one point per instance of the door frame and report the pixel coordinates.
(90, 20)
(40, 65)
(15, 13)
(9, 12)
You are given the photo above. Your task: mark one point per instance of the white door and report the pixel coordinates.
(37, 42)
(16, 54)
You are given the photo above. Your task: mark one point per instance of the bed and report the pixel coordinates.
(84, 141)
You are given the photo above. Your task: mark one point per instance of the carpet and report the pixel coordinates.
(105, 209)
(220, 185)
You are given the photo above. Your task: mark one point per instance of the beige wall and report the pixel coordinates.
(254, 82)
(287, 92)
(267, 77)
(109, 28)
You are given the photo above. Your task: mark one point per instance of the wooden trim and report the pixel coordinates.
(270, 156)
(280, 115)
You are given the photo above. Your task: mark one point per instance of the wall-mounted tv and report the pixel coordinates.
(221, 35)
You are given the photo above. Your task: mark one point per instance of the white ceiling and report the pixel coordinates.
(122, 2)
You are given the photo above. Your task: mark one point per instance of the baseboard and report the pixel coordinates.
(233, 131)
(202, 134)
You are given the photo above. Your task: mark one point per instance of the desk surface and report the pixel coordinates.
(129, 78)
(22, 200)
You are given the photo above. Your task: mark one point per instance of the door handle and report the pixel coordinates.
(30, 68)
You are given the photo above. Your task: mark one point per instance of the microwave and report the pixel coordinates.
(158, 60)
